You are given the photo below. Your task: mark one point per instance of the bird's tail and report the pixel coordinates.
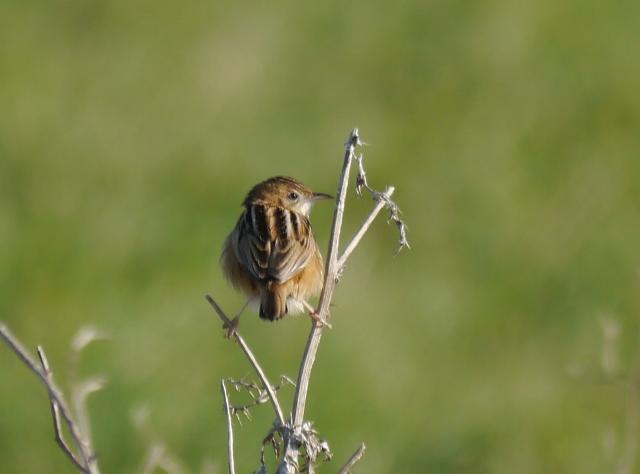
(273, 302)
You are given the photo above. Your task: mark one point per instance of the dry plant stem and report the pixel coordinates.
(79, 404)
(252, 360)
(330, 278)
(290, 457)
(88, 463)
(55, 414)
(314, 317)
(355, 457)
(227, 409)
(363, 229)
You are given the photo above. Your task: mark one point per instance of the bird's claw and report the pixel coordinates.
(319, 320)
(316, 316)
(231, 327)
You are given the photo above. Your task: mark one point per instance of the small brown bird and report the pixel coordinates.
(271, 254)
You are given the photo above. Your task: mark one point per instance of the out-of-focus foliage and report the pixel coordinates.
(130, 130)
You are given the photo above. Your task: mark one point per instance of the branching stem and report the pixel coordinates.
(55, 414)
(87, 462)
(252, 360)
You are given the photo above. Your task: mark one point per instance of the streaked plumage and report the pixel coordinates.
(271, 255)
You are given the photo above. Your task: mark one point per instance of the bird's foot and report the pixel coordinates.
(315, 316)
(231, 327)
(318, 319)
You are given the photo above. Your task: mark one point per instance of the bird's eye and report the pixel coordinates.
(293, 195)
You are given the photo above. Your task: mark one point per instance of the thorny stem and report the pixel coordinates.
(88, 465)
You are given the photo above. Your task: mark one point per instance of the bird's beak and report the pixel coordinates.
(321, 196)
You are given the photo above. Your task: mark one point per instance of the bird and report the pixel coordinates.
(271, 255)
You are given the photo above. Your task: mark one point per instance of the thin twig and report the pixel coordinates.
(355, 457)
(252, 360)
(88, 464)
(227, 409)
(363, 228)
(392, 207)
(55, 414)
(257, 394)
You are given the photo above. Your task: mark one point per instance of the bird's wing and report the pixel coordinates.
(293, 247)
(274, 243)
(252, 244)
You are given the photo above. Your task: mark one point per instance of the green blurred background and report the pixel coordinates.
(131, 130)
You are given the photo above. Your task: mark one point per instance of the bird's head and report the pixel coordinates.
(285, 192)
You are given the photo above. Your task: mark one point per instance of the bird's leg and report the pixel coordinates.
(232, 326)
(315, 316)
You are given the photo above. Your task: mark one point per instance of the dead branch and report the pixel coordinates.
(257, 394)
(252, 360)
(301, 442)
(295, 436)
(55, 413)
(289, 464)
(392, 207)
(330, 281)
(227, 410)
(382, 203)
(86, 462)
(355, 457)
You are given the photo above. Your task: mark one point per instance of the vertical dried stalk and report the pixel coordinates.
(334, 268)
(227, 410)
(330, 280)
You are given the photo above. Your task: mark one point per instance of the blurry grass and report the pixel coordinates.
(130, 131)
